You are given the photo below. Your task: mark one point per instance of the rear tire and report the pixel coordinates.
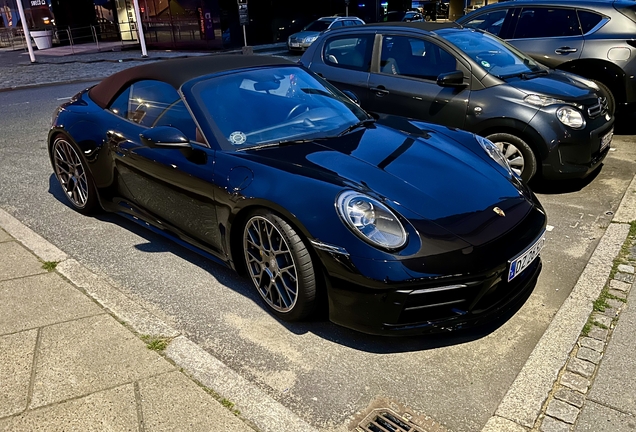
(518, 153)
(74, 176)
(279, 265)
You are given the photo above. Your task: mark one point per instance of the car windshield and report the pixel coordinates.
(494, 55)
(273, 105)
(318, 26)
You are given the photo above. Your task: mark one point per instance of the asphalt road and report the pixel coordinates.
(324, 373)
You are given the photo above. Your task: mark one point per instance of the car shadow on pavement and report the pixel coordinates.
(625, 123)
(319, 323)
(552, 187)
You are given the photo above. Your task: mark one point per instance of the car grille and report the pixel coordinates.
(598, 109)
(295, 40)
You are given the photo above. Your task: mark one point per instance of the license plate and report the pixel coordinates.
(522, 262)
(294, 44)
(606, 139)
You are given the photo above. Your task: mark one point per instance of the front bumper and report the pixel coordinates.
(572, 153)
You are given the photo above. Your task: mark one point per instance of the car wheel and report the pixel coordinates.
(279, 265)
(518, 154)
(74, 177)
(611, 101)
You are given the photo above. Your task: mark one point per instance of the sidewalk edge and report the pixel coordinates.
(256, 406)
(522, 403)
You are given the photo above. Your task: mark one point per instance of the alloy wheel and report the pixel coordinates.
(70, 172)
(513, 156)
(270, 264)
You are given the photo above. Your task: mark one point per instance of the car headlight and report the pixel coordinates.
(494, 152)
(571, 117)
(541, 101)
(310, 39)
(371, 220)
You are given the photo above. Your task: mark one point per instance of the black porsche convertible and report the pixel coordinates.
(402, 226)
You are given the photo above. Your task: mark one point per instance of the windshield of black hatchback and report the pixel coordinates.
(494, 55)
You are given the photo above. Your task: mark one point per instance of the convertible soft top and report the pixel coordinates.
(176, 72)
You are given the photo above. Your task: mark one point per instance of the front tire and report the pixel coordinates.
(518, 154)
(279, 265)
(72, 172)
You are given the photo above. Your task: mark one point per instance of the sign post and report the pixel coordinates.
(140, 29)
(244, 20)
(346, 7)
(25, 27)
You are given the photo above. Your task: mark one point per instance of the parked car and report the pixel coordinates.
(397, 16)
(594, 39)
(302, 40)
(546, 121)
(402, 229)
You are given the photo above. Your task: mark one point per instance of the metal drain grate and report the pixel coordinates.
(387, 421)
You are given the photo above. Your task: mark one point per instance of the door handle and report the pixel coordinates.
(379, 91)
(565, 50)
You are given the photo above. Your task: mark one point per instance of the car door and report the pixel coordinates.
(345, 60)
(550, 35)
(175, 185)
(405, 82)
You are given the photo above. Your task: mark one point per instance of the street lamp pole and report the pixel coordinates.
(140, 29)
(25, 27)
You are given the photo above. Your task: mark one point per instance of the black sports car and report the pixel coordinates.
(261, 165)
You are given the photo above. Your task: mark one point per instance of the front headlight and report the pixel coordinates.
(571, 117)
(494, 152)
(541, 101)
(371, 220)
(310, 39)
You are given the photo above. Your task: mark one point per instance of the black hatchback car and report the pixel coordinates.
(591, 38)
(544, 121)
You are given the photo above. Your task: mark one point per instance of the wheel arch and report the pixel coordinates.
(518, 129)
(600, 70)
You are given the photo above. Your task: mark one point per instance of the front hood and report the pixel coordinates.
(304, 34)
(557, 84)
(453, 185)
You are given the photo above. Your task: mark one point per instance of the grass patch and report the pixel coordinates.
(223, 401)
(49, 265)
(155, 343)
(586, 328)
(624, 253)
(598, 324)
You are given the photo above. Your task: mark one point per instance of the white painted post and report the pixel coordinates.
(25, 27)
(140, 29)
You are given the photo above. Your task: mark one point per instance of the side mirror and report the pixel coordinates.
(352, 96)
(451, 79)
(164, 136)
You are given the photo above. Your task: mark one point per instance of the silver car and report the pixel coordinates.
(300, 41)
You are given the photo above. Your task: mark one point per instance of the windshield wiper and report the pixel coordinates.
(528, 75)
(280, 143)
(363, 123)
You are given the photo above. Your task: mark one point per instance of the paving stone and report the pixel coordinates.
(598, 333)
(41, 300)
(17, 262)
(110, 410)
(575, 382)
(16, 359)
(187, 403)
(619, 285)
(625, 277)
(594, 344)
(4, 236)
(581, 367)
(550, 424)
(615, 304)
(570, 396)
(599, 418)
(602, 319)
(562, 411)
(91, 354)
(625, 268)
(610, 312)
(619, 294)
(589, 354)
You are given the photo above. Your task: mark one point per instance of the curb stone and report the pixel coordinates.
(257, 408)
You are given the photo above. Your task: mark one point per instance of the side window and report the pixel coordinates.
(120, 105)
(149, 99)
(492, 22)
(178, 116)
(588, 20)
(414, 57)
(336, 24)
(349, 52)
(541, 22)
